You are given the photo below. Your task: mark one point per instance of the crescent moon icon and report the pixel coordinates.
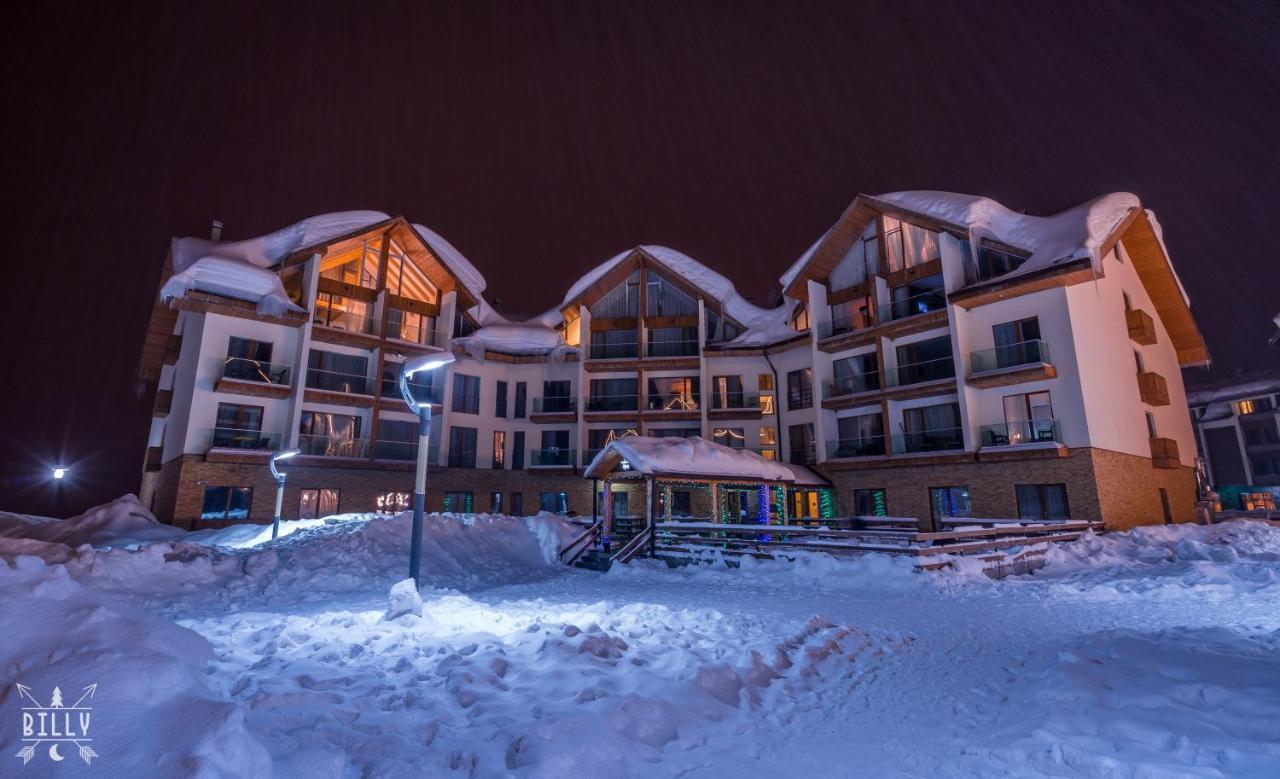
(53, 754)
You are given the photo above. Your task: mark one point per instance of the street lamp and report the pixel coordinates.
(60, 471)
(423, 364)
(279, 477)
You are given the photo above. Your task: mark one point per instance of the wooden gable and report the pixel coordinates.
(1154, 268)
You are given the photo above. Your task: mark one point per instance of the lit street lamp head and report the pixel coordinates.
(60, 471)
(285, 455)
(423, 364)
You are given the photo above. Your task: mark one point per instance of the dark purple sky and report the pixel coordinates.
(541, 138)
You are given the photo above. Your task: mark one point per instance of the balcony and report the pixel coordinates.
(422, 393)
(870, 446)
(852, 385)
(343, 321)
(606, 403)
(1142, 329)
(254, 377)
(804, 455)
(1036, 431)
(407, 332)
(917, 304)
(1164, 453)
(342, 383)
(929, 441)
(686, 348)
(238, 438)
(799, 398)
(552, 458)
(330, 446)
(402, 451)
(555, 405)
(922, 372)
(615, 350)
(1011, 364)
(164, 403)
(1153, 389)
(842, 325)
(673, 403)
(735, 405)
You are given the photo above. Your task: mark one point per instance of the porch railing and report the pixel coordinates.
(244, 369)
(1010, 356)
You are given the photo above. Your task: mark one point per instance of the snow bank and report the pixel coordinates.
(123, 522)
(153, 711)
(234, 279)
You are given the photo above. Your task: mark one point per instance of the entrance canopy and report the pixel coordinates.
(687, 458)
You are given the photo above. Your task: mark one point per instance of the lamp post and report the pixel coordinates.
(60, 472)
(279, 477)
(423, 364)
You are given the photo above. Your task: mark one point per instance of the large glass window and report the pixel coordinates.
(801, 440)
(466, 394)
(459, 502)
(1028, 418)
(613, 395)
(250, 360)
(673, 341)
(726, 392)
(732, 437)
(621, 302)
(462, 447)
(517, 452)
(674, 432)
(339, 312)
(919, 296)
(239, 426)
(226, 503)
(500, 400)
(859, 263)
(316, 503)
(405, 278)
(336, 372)
(908, 245)
(522, 399)
(614, 344)
(324, 434)
(674, 393)
(1042, 501)
(413, 327)
(931, 428)
(557, 397)
(554, 502)
(860, 373)
(860, 436)
(927, 360)
(1017, 343)
(993, 262)
(666, 299)
(499, 449)
(871, 502)
(949, 502)
(358, 266)
(800, 389)
(397, 440)
(423, 384)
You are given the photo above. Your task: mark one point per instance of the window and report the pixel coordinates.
(500, 401)
(681, 503)
(621, 302)
(313, 504)
(726, 392)
(397, 440)
(413, 327)
(860, 373)
(226, 503)
(495, 503)
(517, 451)
(674, 394)
(330, 435)
(949, 502)
(1151, 425)
(522, 392)
(860, 436)
(732, 437)
(908, 245)
(1253, 406)
(423, 384)
(614, 344)
(665, 299)
(919, 296)
(461, 502)
(994, 262)
(555, 449)
(859, 263)
(801, 440)
(1137, 361)
(238, 426)
(1164, 506)
(1042, 501)
(462, 447)
(928, 360)
(800, 389)
(764, 382)
(338, 312)
(517, 504)
(870, 502)
(405, 278)
(1028, 418)
(499, 449)
(556, 397)
(800, 318)
(613, 395)
(675, 432)
(931, 428)
(466, 394)
(554, 502)
(358, 266)
(391, 503)
(250, 360)
(768, 435)
(335, 372)
(1017, 343)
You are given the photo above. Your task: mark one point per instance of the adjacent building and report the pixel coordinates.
(931, 355)
(1239, 439)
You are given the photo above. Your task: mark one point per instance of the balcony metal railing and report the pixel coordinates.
(919, 303)
(1033, 431)
(1010, 356)
(244, 369)
(868, 446)
(615, 350)
(939, 440)
(333, 381)
(333, 446)
(417, 334)
(839, 325)
(345, 321)
(555, 405)
(804, 455)
(798, 399)
(852, 385)
(613, 403)
(673, 348)
(918, 372)
(550, 458)
(673, 402)
(733, 401)
(238, 438)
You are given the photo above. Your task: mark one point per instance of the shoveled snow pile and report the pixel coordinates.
(690, 457)
(123, 522)
(234, 279)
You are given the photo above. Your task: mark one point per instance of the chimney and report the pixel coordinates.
(215, 232)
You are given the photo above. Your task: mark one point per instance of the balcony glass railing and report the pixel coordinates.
(332, 381)
(673, 402)
(799, 398)
(548, 458)
(396, 450)
(804, 455)
(615, 350)
(236, 438)
(732, 401)
(462, 458)
(410, 332)
(345, 321)
(869, 446)
(555, 405)
(940, 440)
(918, 372)
(840, 325)
(333, 446)
(919, 303)
(1010, 356)
(613, 403)
(423, 393)
(1034, 431)
(244, 369)
(852, 385)
(673, 348)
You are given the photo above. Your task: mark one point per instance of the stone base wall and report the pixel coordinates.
(1129, 490)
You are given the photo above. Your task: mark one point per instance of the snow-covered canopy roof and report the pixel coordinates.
(231, 278)
(690, 457)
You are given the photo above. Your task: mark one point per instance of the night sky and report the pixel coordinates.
(542, 138)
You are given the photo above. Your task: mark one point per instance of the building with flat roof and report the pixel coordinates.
(932, 355)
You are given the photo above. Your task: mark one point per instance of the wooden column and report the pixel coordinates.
(648, 513)
(607, 530)
(716, 516)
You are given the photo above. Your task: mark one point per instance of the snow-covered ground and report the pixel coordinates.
(1145, 654)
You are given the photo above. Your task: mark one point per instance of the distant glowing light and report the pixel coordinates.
(60, 471)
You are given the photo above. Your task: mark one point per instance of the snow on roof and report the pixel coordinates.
(268, 250)
(463, 270)
(805, 477)
(1052, 240)
(689, 457)
(798, 265)
(232, 278)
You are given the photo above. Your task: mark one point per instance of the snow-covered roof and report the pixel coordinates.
(231, 278)
(1073, 234)
(686, 457)
(463, 270)
(268, 250)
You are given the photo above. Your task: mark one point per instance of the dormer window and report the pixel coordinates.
(908, 245)
(995, 262)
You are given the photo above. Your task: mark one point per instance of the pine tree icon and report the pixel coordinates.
(56, 703)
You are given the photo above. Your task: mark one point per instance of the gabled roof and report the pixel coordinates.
(688, 457)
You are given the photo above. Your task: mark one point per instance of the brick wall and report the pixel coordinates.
(1129, 489)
